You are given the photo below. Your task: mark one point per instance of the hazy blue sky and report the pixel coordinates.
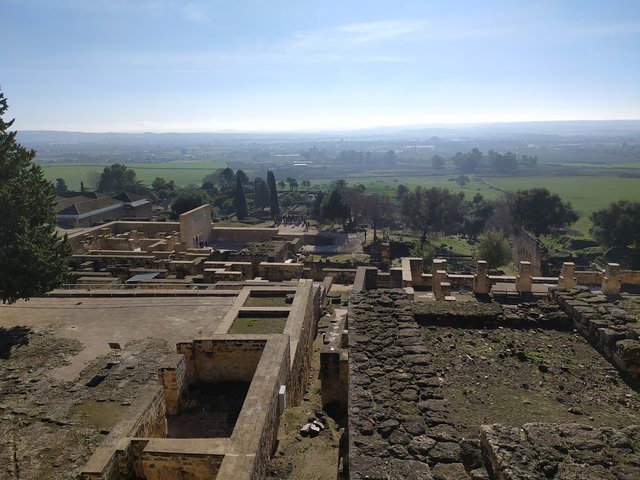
(169, 65)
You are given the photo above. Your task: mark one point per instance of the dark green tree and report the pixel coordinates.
(226, 178)
(164, 189)
(476, 213)
(261, 193)
(503, 162)
(82, 189)
(186, 200)
(239, 200)
(494, 248)
(468, 162)
(431, 210)
(33, 258)
(117, 178)
(273, 191)
(617, 225)
(540, 211)
(61, 186)
(336, 206)
(437, 162)
(401, 191)
(244, 179)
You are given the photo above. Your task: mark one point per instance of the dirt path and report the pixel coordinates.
(306, 458)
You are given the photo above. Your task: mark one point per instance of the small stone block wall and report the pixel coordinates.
(611, 330)
(387, 371)
(221, 360)
(561, 451)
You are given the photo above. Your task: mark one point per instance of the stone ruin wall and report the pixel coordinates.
(614, 333)
(395, 410)
(388, 378)
(195, 226)
(302, 327)
(234, 359)
(526, 248)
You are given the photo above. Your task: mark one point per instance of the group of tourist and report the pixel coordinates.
(291, 219)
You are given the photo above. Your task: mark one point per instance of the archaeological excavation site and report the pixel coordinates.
(183, 350)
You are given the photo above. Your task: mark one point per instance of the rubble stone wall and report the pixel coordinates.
(608, 328)
(388, 378)
(561, 451)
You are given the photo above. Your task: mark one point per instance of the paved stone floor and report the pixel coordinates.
(95, 322)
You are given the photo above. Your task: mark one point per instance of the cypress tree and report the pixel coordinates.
(33, 258)
(273, 191)
(239, 200)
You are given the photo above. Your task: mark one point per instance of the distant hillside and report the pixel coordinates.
(37, 138)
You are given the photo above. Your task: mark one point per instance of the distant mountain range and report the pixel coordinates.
(553, 128)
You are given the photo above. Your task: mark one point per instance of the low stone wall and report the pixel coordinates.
(342, 276)
(173, 378)
(334, 366)
(228, 358)
(460, 314)
(301, 327)
(566, 451)
(278, 272)
(388, 377)
(611, 330)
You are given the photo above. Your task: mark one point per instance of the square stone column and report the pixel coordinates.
(523, 280)
(395, 277)
(438, 275)
(416, 265)
(481, 283)
(567, 279)
(611, 282)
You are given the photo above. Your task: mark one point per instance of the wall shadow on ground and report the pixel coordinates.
(12, 337)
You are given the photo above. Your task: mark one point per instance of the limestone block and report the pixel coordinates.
(481, 283)
(523, 280)
(611, 281)
(567, 279)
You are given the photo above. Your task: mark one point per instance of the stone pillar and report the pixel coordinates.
(395, 277)
(416, 265)
(371, 278)
(611, 282)
(523, 280)
(439, 275)
(385, 254)
(567, 279)
(481, 283)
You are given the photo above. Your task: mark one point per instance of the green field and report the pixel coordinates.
(182, 172)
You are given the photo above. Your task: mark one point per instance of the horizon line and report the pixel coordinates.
(334, 130)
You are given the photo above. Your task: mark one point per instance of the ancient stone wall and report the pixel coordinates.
(388, 377)
(334, 366)
(526, 248)
(221, 360)
(302, 327)
(195, 226)
(173, 378)
(565, 451)
(172, 465)
(611, 330)
(278, 272)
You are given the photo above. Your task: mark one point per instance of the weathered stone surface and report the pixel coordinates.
(372, 468)
(449, 471)
(561, 451)
(387, 432)
(445, 452)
